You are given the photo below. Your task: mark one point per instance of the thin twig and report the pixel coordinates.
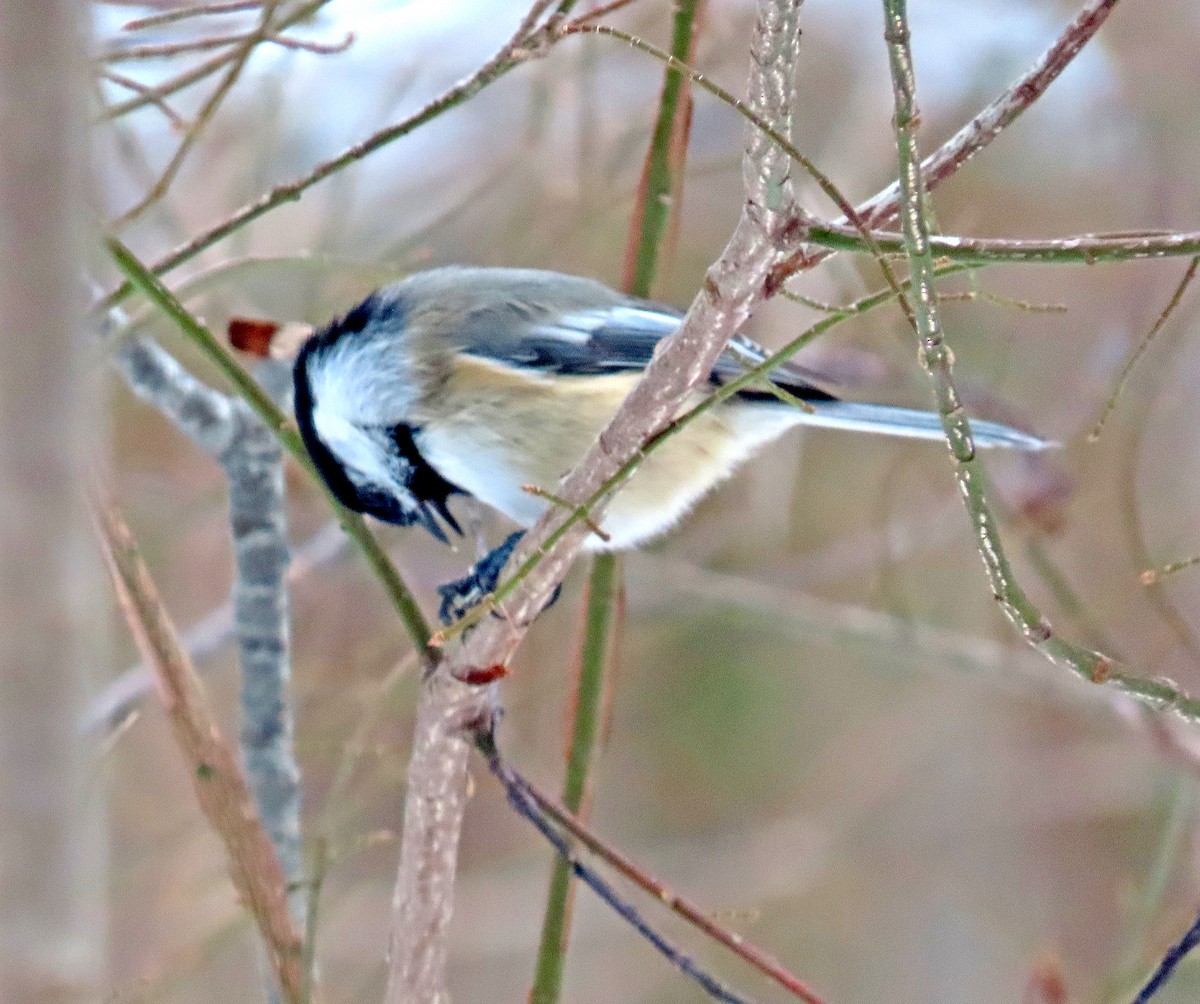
(119, 699)
(184, 13)
(595, 655)
(1152, 575)
(217, 778)
(783, 200)
(208, 67)
(524, 45)
(693, 914)
(137, 87)
(1126, 478)
(1170, 962)
(1078, 249)
(993, 119)
(937, 360)
(1143, 345)
(237, 63)
(166, 50)
(523, 801)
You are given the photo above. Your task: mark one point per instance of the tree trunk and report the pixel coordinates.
(53, 597)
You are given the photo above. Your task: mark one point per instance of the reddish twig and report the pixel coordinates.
(678, 904)
(184, 13)
(217, 776)
(521, 797)
(995, 117)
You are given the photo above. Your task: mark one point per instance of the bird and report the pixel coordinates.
(483, 382)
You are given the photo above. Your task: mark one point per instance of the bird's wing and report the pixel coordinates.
(614, 338)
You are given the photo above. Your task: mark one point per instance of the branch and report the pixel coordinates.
(217, 778)
(527, 804)
(735, 283)
(693, 914)
(254, 466)
(937, 360)
(1170, 962)
(1079, 249)
(526, 43)
(202, 414)
(434, 805)
(993, 119)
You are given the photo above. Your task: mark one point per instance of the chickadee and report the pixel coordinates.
(481, 381)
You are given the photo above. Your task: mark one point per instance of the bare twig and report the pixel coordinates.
(693, 914)
(1078, 249)
(1152, 575)
(217, 778)
(526, 43)
(137, 87)
(937, 360)
(208, 67)
(241, 55)
(522, 799)
(992, 119)
(166, 50)
(121, 696)
(1170, 962)
(1143, 345)
(184, 13)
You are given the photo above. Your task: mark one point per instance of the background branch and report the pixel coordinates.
(217, 779)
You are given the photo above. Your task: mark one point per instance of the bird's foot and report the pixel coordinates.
(461, 595)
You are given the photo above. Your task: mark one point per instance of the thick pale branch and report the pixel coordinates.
(734, 284)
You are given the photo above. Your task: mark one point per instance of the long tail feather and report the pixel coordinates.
(912, 424)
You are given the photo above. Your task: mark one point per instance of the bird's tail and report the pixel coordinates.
(910, 423)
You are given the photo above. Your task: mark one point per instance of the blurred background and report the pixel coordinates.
(823, 730)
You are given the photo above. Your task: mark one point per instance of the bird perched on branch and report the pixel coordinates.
(487, 381)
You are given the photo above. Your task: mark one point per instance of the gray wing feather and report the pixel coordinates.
(616, 337)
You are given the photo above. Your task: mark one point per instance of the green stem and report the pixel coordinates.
(605, 582)
(604, 587)
(658, 177)
(937, 360)
(1082, 249)
(145, 282)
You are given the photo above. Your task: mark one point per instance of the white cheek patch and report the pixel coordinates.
(356, 448)
(485, 469)
(364, 382)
